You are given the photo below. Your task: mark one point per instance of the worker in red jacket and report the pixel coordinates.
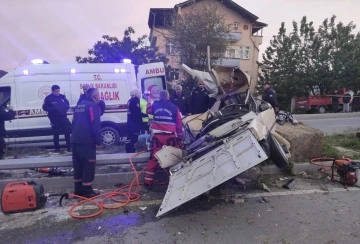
(166, 129)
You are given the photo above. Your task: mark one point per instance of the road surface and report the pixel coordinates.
(327, 217)
(333, 125)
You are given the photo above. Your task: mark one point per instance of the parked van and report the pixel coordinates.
(26, 87)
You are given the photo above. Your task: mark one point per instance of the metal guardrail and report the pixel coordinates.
(66, 161)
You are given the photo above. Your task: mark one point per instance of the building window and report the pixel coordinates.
(238, 52)
(245, 52)
(170, 49)
(236, 24)
(174, 74)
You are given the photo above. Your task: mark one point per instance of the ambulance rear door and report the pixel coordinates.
(152, 77)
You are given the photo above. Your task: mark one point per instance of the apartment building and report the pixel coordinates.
(243, 46)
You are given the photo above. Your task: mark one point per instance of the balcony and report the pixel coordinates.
(233, 37)
(232, 62)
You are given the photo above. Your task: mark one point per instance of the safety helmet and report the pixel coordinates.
(147, 92)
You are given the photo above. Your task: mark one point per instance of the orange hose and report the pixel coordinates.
(324, 167)
(129, 195)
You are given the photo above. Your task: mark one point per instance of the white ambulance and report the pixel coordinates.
(26, 87)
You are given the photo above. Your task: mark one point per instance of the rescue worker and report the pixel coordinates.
(335, 101)
(56, 105)
(4, 116)
(84, 97)
(145, 117)
(86, 136)
(134, 120)
(270, 96)
(166, 129)
(199, 100)
(180, 100)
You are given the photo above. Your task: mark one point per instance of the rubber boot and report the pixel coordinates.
(88, 192)
(78, 188)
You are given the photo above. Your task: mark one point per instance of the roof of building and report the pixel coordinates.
(228, 3)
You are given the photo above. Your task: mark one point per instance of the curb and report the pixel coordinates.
(301, 117)
(104, 180)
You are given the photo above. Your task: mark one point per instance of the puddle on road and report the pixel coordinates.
(77, 230)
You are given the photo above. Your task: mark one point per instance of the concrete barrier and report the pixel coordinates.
(66, 161)
(301, 117)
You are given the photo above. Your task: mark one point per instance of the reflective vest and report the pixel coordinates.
(143, 107)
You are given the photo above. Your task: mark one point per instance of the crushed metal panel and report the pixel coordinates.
(235, 156)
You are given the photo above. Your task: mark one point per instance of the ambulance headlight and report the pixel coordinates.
(37, 61)
(117, 70)
(73, 71)
(25, 72)
(127, 61)
(122, 70)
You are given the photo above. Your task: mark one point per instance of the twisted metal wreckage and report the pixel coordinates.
(237, 134)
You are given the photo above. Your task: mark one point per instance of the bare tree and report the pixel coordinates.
(201, 25)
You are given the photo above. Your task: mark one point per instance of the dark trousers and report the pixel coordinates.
(61, 125)
(2, 147)
(335, 107)
(145, 127)
(84, 159)
(355, 107)
(132, 139)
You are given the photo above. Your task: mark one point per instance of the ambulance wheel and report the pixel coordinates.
(111, 136)
(277, 154)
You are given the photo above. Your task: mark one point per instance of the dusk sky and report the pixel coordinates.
(59, 30)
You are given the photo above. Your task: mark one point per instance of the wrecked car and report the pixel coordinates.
(236, 134)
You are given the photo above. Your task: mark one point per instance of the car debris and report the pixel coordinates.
(283, 179)
(237, 200)
(235, 135)
(265, 199)
(290, 184)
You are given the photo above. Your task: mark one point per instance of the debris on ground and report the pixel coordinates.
(239, 180)
(143, 208)
(265, 187)
(290, 184)
(303, 173)
(283, 179)
(265, 199)
(237, 200)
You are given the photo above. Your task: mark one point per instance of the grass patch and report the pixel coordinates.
(347, 140)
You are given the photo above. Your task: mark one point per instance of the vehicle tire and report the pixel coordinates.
(265, 146)
(111, 136)
(321, 109)
(277, 154)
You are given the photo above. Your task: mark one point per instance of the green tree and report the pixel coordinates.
(113, 50)
(194, 30)
(306, 61)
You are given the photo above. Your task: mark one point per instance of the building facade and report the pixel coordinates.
(243, 46)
